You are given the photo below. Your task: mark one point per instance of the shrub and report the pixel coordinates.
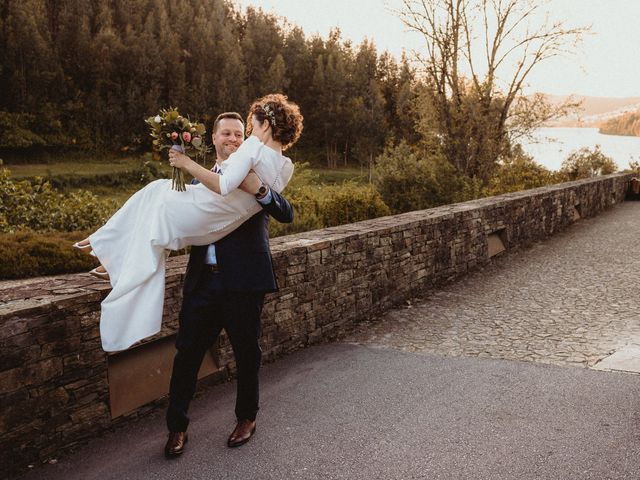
(408, 180)
(347, 203)
(320, 206)
(32, 254)
(23, 131)
(38, 206)
(585, 163)
(519, 173)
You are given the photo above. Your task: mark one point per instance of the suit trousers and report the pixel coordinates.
(205, 311)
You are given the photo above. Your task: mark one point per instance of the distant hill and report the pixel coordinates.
(626, 124)
(594, 111)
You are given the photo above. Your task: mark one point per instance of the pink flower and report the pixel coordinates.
(186, 136)
(174, 135)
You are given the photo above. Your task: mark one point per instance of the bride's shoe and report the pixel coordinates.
(82, 247)
(101, 275)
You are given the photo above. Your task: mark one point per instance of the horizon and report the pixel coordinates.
(603, 65)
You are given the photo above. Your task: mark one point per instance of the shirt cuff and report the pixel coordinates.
(224, 190)
(266, 200)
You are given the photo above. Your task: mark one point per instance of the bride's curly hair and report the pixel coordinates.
(282, 114)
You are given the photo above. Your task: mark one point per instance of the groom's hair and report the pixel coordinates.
(234, 115)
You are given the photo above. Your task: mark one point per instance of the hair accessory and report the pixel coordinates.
(270, 114)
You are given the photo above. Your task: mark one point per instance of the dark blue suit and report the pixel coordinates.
(231, 299)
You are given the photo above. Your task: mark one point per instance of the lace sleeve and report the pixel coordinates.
(237, 166)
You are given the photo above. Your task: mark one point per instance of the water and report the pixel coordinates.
(551, 146)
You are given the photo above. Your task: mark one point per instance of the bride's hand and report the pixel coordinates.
(177, 159)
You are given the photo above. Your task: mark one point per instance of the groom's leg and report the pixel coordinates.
(242, 323)
(199, 328)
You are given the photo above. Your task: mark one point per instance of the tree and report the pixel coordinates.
(275, 79)
(586, 163)
(479, 54)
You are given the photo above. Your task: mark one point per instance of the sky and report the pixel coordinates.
(606, 64)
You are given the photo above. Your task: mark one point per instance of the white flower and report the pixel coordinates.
(157, 119)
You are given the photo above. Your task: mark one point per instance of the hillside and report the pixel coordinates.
(626, 124)
(593, 111)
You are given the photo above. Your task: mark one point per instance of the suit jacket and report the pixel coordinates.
(243, 256)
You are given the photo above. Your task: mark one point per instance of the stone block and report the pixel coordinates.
(42, 371)
(14, 357)
(12, 380)
(90, 414)
(13, 326)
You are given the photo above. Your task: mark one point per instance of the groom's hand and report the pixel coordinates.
(251, 183)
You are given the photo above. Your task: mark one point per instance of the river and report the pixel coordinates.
(550, 146)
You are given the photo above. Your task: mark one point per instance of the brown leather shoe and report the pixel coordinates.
(242, 433)
(175, 444)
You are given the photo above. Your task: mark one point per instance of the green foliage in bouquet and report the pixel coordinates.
(169, 129)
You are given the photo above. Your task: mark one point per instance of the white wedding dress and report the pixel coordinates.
(132, 244)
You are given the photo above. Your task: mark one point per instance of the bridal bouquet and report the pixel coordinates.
(169, 130)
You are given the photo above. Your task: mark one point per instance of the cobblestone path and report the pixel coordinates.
(570, 300)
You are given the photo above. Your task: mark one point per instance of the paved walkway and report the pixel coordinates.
(570, 300)
(410, 396)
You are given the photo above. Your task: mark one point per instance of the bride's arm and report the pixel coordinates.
(240, 162)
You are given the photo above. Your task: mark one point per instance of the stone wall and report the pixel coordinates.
(54, 381)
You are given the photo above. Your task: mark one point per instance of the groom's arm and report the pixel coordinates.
(273, 203)
(279, 208)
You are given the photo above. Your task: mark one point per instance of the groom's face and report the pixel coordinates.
(227, 138)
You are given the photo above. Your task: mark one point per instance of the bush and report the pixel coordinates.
(38, 206)
(408, 180)
(24, 131)
(320, 206)
(586, 163)
(519, 173)
(31, 254)
(348, 203)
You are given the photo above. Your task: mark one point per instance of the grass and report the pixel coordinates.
(74, 168)
(337, 176)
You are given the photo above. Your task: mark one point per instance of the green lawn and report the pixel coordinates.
(340, 175)
(75, 168)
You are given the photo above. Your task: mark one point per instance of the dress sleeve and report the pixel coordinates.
(237, 166)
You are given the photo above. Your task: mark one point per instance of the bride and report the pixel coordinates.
(131, 245)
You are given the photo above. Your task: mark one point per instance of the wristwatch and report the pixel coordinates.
(262, 191)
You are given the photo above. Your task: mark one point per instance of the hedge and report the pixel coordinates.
(32, 254)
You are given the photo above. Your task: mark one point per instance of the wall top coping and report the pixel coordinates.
(42, 294)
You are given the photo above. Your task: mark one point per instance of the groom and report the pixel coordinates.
(224, 287)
